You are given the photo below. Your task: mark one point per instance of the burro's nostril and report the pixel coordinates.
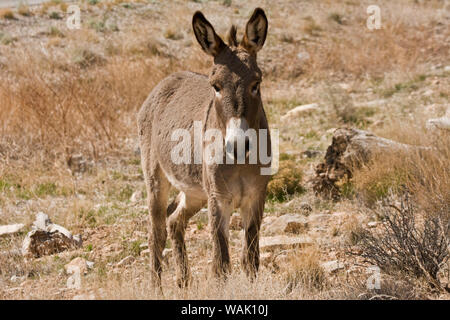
(247, 146)
(239, 148)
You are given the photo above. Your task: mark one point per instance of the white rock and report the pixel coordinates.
(372, 224)
(332, 266)
(136, 196)
(10, 229)
(288, 223)
(447, 69)
(126, 261)
(48, 238)
(303, 56)
(440, 123)
(428, 93)
(77, 266)
(303, 109)
(283, 243)
(42, 221)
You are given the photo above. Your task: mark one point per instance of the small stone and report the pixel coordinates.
(303, 56)
(126, 261)
(332, 266)
(42, 221)
(283, 243)
(136, 196)
(303, 109)
(143, 245)
(428, 93)
(372, 224)
(288, 223)
(145, 252)
(439, 123)
(167, 253)
(77, 265)
(266, 258)
(11, 229)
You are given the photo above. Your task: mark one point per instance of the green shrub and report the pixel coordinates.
(286, 182)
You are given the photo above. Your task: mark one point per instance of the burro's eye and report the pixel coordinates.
(216, 88)
(255, 88)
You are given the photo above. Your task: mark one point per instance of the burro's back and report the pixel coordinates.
(207, 136)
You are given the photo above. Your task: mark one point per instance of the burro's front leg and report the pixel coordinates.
(252, 213)
(219, 216)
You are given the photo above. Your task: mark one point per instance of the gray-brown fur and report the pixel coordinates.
(176, 102)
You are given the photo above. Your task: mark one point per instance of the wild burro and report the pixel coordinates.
(228, 102)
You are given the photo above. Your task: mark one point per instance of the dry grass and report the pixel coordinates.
(7, 14)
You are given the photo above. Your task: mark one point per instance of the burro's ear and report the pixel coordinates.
(210, 42)
(255, 31)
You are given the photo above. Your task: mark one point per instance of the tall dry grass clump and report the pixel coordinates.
(56, 108)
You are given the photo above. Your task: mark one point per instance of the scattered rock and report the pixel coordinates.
(439, 123)
(136, 196)
(283, 243)
(167, 254)
(266, 258)
(303, 56)
(47, 238)
(42, 221)
(303, 109)
(77, 265)
(235, 222)
(144, 245)
(332, 266)
(10, 229)
(145, 252)
(288, 223)
(372, 224)
(348, 150)
(126, 261)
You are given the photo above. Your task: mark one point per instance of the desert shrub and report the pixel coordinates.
(7, 14)
(24, 10)
(390, 180)
(286, 182)
(409, 243)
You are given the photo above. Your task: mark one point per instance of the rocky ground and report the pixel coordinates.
(309, 243)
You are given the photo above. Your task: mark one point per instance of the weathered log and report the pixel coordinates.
(348, 150)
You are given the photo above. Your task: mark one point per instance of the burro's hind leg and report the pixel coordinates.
(219, 211)
(178, 220)
(157, 190)
(252, 213)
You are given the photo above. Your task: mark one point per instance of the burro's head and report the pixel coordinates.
(235, 77)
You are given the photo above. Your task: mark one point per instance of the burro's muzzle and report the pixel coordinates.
(240, 140)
